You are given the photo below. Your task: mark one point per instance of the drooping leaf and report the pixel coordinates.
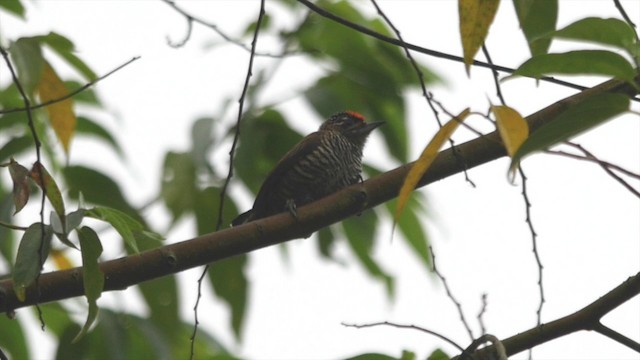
(61, 114)
(41, 177)
(573, 121)
(97, 188)
(513, 128)
(16, 8)
(230, 283)
(412, 227)
(125, 225)
(537, 18)
(587, 62)
(20, 178)
(13, 341)
(360, 233)
(87, 96)
(27, 57)
(88, 127)
(65, 48)
(475, 18)
(424, 161)
(15, 146)
(207, 206)
(202, 140)
(178, 185)
(614, 32)
(32, 252)
(92, 277)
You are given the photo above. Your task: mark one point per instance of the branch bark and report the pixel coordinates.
(134, 269)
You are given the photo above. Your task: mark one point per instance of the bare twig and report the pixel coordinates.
(534, 241)
(73, 93)
(191, 19)
(402, 326)
(449, 294)
(427, 95)
(38, 144)
(223, 192)
(481, 313)
(495, 74)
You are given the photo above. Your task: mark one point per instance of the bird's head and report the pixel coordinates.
(350, 124)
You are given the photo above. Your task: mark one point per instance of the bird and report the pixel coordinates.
(322, 163)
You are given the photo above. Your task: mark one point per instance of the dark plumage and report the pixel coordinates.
(322, 163)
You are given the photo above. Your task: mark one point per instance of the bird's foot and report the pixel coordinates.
(291, 207)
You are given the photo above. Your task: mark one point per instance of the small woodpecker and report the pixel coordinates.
(324, 162)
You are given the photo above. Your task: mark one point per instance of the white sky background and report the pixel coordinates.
(588, 225)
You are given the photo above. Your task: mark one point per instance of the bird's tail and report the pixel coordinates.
(242, 218)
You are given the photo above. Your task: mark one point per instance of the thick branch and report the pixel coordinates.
(131, 270)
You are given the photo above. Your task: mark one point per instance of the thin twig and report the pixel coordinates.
(481, 313)
(73, 93)
(534, 240)
(252, 54)
(495, 74)
(12, 227)
(616, 336)
(428, 96)
(329, 15)
(449, 294)
(38, 144)
(626, 17)
(191, 19)
(401, 326)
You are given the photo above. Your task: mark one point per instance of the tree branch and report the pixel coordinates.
(131, 270)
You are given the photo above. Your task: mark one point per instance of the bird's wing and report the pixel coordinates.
(305, 147)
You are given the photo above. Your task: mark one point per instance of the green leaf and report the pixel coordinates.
(612, 32)
(15, 146)
(14, 7)
(91, 128)
(411, 227)
(537, 17)
(12, 339)
(206, 209)
(202, 140)
(32, 252)
(41, 176)
(264, 141)
(64, 47)
(178, 185)
(125, 225)
(592, 62)
(360, 232)
(326, 241)
(92, 277)
(98, 189)
(27, 57)
(230, 284)
(438, 354)
(573, 121)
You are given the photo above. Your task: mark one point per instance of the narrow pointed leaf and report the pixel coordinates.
(425, 160)
(20, 178)
(41, 176)
(92, 277)
(573, 121)
(614, 32)
(27, 58)
(14, 7)
(475, 18)
(61, 115)
(32, 252)
(513, 128)
(592, 62)
(537, 17)
(65, 48)
(124, 224)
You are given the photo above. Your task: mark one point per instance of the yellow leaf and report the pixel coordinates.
(61, 260)
(425, 160)
(513, 128)
(475, 18)
(61, 115)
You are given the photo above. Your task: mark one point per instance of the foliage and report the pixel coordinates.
(374, 82)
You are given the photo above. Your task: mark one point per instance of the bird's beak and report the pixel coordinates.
(369, 127)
